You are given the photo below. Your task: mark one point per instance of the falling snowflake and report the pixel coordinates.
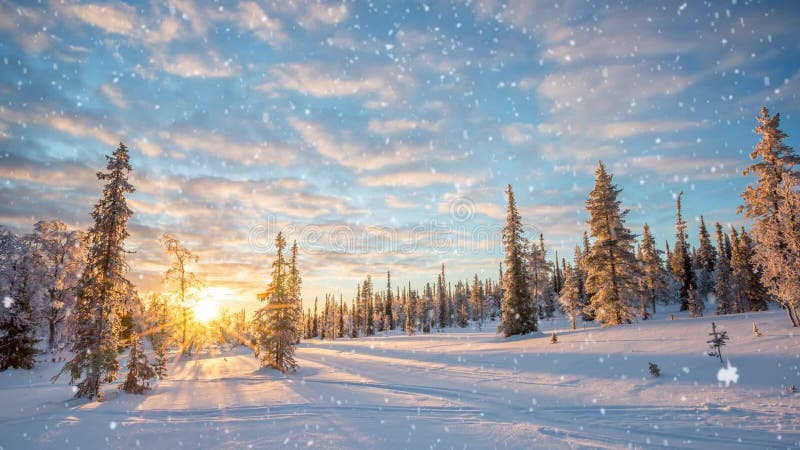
(728, 375)
(112, 425)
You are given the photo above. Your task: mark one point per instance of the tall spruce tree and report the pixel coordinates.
(775, 233)
(476, 299)
(705, 261)
(518, 310)
(274, 323)
(409, 323)
(653, 278)
(681, 264)
(722, 276)
(295, 282)
(611, 264)
(744, 267)
(367, 296)
(388, 309)
(104, 293)
(441, 299)
(570, 298)
(17, 315)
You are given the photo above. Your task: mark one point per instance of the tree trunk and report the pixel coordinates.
(792, 315)
(51, 339)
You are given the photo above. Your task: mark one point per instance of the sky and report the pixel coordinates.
(381, 135)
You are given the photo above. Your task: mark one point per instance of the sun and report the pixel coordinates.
(205, 310)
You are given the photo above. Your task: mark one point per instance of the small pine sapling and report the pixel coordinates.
(553, 338)
(756, 331)
(654, 370)
(717, 341)
(139, 370)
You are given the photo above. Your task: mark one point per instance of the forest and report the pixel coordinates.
(67, 289)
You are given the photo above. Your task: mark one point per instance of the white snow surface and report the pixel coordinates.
(454, 389)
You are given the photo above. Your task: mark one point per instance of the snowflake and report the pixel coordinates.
(8, 301)
(728, 375)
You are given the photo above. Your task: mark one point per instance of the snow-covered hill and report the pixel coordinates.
(457, 389)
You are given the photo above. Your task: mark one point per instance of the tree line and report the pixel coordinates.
(615, 277)
(74, 286)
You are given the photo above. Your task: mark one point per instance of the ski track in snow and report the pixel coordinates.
(458, 389)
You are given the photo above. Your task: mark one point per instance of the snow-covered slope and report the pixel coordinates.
(457, 389)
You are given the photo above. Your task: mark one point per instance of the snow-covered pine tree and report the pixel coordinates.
(295, 283)
(366, 294)
(409, 307)
(388, 309)
(785, 288)
(519, 314)
(358, 312)
(694, 304)
(275, 322)
(461, 305)
(722, 276)
(654, 282)
(611, 265)
(558, 276)
(570, 298)
(681, 264)
(159, 320)
(354, 314)
(773, 232)
(315, 320)
(755, 292)
(340, 329)
(539, 270)
(425, 309)
(17, 320)
(476, 299)
(104, 293)
(740, 274)
(441, 300)
(704, 264)
(581, 266)
(137, 381)
(61, 255)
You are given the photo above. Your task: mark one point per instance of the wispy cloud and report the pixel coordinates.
(421, 178)
(318, 80)
(114, 95)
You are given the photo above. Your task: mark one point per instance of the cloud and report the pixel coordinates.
(395, 202)
(192, 65)
(111, 18)
(421, 178)
(114, 95)
(388, 127)
(60, 174)
(679, 166)
(250, 16)
(312, 14)
(518, 133)
(346, 153)
(619, 130)
(80, 127)
(148, 148)
(229, 149)
(314, 79)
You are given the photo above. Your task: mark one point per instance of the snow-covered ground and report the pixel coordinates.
(457, 389)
